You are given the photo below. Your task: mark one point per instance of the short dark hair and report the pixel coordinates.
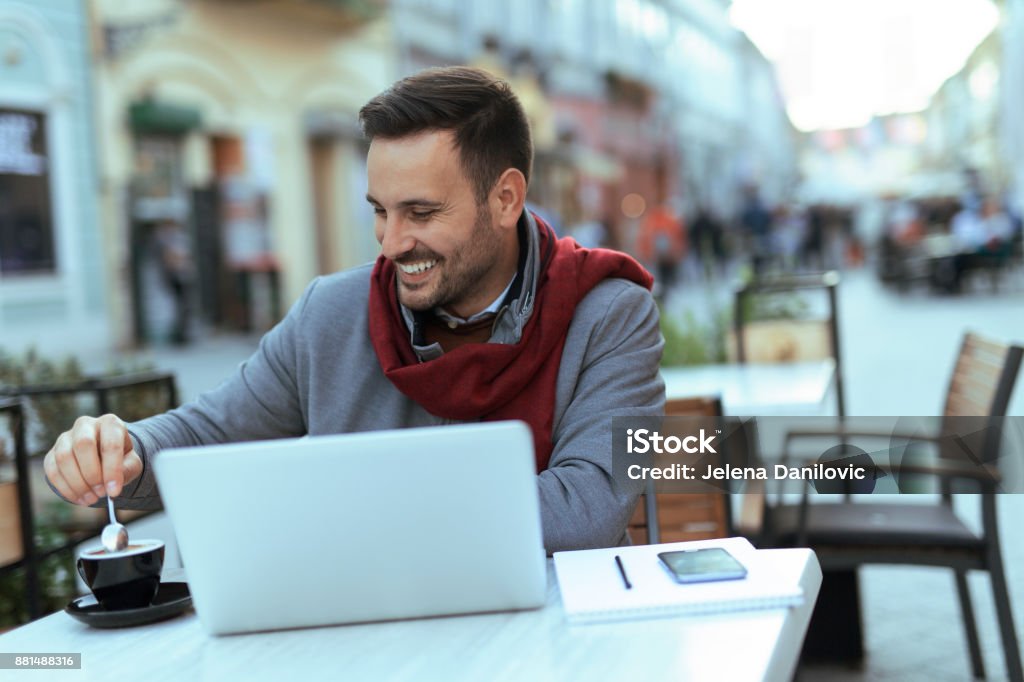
(490, 127)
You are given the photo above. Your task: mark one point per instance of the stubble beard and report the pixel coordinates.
(460, 272)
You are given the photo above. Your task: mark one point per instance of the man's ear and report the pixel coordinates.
(508, 197)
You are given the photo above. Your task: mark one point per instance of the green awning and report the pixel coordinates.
(150, 116)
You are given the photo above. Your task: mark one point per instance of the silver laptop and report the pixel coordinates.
(361, 527)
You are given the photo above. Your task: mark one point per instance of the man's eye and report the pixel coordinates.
(380, 211)
(422, 215)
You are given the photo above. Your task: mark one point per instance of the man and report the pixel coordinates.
(757, 223)
(982, 231)
(174, 257)
(473, 311)
(663, 244)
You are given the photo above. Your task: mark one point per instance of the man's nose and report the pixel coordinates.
(396, 238)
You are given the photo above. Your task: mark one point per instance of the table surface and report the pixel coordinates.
(756, 389)
(525, 645)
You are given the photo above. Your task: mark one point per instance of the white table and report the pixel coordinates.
(527, 645)
(757, 389)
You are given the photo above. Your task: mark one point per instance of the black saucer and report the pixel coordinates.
(171, 600)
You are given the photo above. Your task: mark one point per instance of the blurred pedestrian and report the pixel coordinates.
(998, 227)
(811, 257)
(757, 224)
(174, 256)
(662, 244)
(789, 236)
(548, 216)
(706, 240)
(982, 233)
(590, 232)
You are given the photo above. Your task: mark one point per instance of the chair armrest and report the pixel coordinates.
(982, 473)
(945, 468)
(859, 433)
(841, 432)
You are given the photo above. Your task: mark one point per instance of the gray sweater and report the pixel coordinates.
(316, 373)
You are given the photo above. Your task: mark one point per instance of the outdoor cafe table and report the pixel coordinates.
(524, 645)
(787, 389)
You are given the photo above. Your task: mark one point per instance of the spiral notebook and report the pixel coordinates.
(593, 590)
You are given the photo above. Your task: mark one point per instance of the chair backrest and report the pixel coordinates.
(696, 406)
(772, 336)
(983, 378)
(672, 517)
(981, 386)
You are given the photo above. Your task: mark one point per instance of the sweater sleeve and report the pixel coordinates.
(260, 400)
(611, 369)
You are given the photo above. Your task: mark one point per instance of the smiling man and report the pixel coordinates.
(473, 311)
(449, 250)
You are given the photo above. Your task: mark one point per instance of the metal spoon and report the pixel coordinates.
(114, 536)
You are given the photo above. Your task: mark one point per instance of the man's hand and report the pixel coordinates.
(94, 459)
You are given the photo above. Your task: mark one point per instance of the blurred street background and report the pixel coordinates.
(174, 172)
(171, 170)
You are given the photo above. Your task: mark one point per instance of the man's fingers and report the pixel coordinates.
(55, 477)
(83, 444)
(92, 460)
(114, 445)
(67, 464)
(132, 466)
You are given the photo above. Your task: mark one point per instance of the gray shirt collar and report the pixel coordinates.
(446, 316)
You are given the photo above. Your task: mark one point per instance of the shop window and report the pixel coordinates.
(26, 220)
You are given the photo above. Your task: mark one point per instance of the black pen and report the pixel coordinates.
(622, 572)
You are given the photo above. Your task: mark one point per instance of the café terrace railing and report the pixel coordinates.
(20, 406)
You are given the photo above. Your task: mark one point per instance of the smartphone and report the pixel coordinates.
(702, 565)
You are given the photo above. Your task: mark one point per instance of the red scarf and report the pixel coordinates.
(491, 381)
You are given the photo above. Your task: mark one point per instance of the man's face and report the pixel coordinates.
(444, 246)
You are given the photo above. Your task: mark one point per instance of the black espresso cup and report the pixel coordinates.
(127, 579)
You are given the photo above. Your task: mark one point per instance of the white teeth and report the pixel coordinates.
(417, 267)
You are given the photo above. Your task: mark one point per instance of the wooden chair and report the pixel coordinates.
(773, 336)
(681, 516)
(851, 534)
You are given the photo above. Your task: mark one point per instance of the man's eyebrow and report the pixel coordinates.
(407, 203)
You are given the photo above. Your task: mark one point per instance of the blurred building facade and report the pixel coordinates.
(769, 143)
(968, 142)
(233, 123)
(647, 99)
(975, 122)
(236, 122)
(965, 125)
(53, 280)
(1011, 98)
